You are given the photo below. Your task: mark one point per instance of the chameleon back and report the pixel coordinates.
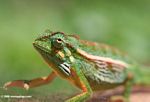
(101, 71)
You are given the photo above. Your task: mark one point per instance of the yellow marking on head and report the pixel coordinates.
(68, 53)
(71, 58)
(61, 54)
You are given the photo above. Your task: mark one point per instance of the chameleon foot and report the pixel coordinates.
(118, 99)
(18, 83)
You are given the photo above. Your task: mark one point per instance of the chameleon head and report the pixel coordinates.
(56, 50)
(49, 42)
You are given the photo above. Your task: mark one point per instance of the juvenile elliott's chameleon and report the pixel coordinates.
(90, 66)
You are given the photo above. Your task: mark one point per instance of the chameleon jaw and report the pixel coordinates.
(39, 45)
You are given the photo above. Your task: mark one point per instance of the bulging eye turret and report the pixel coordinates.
(58, 43)
(57, 40)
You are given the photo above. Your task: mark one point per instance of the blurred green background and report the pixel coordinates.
(124, 24)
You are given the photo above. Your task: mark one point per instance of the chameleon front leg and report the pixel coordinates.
(81, 97)
(84, 86)
(31, 83)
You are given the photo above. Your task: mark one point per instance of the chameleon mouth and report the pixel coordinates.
(41, 47)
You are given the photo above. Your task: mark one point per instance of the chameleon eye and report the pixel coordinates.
(58, 43)
(59, 40)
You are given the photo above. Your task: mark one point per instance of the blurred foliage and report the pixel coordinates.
(121, 23)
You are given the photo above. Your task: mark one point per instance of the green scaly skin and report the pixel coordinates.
(88, 65)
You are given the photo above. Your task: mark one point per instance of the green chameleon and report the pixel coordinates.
(90, 66)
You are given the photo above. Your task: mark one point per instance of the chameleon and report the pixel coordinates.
(89, 66)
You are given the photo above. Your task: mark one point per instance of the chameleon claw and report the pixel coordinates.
(26, 86)
(118, 99)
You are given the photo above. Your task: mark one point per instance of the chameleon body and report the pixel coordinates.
(90, 66)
